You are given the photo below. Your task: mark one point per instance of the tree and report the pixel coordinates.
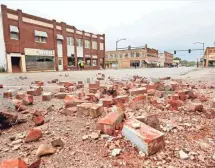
(177, 58)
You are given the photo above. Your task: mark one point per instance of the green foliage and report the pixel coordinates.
(177, 58)
(2, 69)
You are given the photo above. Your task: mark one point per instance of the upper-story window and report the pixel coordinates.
(101, 46)
(120, 55)
(40, 37)
(14, 32)
(87, 44)
(126, 55)
(137, 54)
(70, 41)
(79, 42)
(132, 54)
(94, 45)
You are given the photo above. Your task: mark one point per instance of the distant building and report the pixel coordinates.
(209, 57)
(137, 57)
(32, 43)
(165, 59)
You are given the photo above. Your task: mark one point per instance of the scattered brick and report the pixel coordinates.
(92, 97)
(1, 86)
(139, 98)
(107, 102)
(203, 98)
(69, 110)
(137, 91)
(32, 92)
(182, 96)
(28, 99)
(73, 103)
(84, 108)
(54, 80)
(33, 135)
(151, 120)
(193, 107)
(60, 95)
(151, 92)
(9, 93)
(38, 120)
(20, 95)
(96, 110)
(72, 88)
(146, 138)
(14, 163)
(110, 122)
(120, 99)
(47, 96)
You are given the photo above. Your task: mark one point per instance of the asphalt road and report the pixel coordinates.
(10, 79)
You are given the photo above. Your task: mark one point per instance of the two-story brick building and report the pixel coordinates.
(132, 57)
(31, 43)
(209, 57)
(165, 59)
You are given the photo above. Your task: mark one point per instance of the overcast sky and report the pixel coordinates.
(164, 25)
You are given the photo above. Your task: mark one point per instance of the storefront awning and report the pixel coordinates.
(14, 29)
(59, 37)
(40, 33)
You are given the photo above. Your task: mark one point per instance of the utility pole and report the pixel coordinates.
(203, 44)
(117, 49)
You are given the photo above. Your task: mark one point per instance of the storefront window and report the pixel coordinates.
(95, 62)
(71, 60)
(88, 61)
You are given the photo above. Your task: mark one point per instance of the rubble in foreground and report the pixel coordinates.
(140, 122)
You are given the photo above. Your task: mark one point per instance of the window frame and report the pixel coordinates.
(40, 39)
(14, 33)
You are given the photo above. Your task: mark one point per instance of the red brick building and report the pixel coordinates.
(31, 43)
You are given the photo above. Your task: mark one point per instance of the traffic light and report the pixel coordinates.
(175, 52)
(189, 51)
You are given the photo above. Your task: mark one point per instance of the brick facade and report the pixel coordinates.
(27, 24)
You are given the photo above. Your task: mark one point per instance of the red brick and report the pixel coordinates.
(84, 108)
(139, 98)
(21, 108)
(1, 86)
(92, 97)
(62, 89)
(38, 90)
(92, 90)
(20, 95)
(110, 122)
(203, 98)
(60, 95)
(158, 94)
(32, 92)
(38, 120)
(47, 96)
(175, 104)
(182, 96)
(93, 86)
(9, 93)
(120, 99)
(40, 83)
(151, 92)
(96, 110)
(150, 120)
(33, 135)
(72, 88)
(80, 86)
(146, 138)
(54, 80)
(28, 99)
(137, 91)
(107, 102)
(14, 163)
(193, 107)
(69, 110)
(175, 97)
(80, 82)
(150, 87)
(80, 94)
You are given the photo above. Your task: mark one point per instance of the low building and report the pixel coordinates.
(135, 57)
(165, 59)
(31, 43)
(209, 57)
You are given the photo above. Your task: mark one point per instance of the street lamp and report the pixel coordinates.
(117, 48)
(203, 45)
